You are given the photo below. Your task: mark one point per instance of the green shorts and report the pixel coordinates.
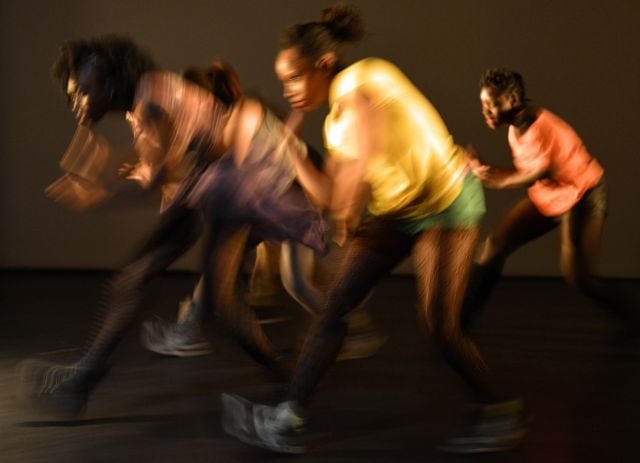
(465, 212)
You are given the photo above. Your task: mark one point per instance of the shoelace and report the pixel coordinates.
(53, 377)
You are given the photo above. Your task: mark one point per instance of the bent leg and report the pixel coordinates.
(372, 254)
(522, 224)
(443, 259)
(178, 230)
(224, 293)
(580, 245)
(64, 390)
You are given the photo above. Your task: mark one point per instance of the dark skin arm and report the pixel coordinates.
(342, 190)
(351, 192)
(315, 182)
(151, 141)
(501, 178)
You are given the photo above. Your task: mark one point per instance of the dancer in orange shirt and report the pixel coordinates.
(566, 188)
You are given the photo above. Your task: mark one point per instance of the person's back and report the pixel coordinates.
(417, 167)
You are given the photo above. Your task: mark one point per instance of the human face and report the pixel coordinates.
(497, 108)
(305, 84)
(88, 96)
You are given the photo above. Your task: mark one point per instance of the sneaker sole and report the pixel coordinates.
(187, 352)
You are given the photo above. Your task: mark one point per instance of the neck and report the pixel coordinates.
(522, 118)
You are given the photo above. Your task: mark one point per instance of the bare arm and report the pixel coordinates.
(501, 178)
(152, 143)
(350, 196)
(315, 182)
(85, 184)
(242, 127)
(351, 191)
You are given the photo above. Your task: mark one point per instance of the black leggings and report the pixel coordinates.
(226, 287)
(581, 230)
(177, 231)
(442, 259)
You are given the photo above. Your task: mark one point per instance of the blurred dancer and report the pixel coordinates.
(185, 337)
(566, 189)
(391, 153)
(217, 154)
(291, 264)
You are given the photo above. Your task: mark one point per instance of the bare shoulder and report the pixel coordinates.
(244, 123)
(251, 111)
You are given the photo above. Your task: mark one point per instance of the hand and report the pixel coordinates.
(75, 193)
(491, 177)
(482, 171)
(472, 154)
(141, 173)
(479, 169)
(126, 169)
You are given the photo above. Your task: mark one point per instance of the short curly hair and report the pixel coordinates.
(503, 80)
(124, 62)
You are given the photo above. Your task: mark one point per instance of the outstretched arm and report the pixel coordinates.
(76, 193)
(501, 178)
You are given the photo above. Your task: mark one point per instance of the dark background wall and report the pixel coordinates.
(580, 59)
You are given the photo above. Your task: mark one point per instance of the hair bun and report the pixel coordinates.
(344, 22)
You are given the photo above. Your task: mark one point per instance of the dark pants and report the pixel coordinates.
(580, 231)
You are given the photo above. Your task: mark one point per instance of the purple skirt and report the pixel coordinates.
(276, 209)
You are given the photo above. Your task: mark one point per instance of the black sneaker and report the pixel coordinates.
(500, 428)
(273, 428)
(174, 339)
(60, 391)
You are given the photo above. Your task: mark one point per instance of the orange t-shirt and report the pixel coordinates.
(551, 144)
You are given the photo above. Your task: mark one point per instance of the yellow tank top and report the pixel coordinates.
(417, 170)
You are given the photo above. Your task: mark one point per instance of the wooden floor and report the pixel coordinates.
(543, 341)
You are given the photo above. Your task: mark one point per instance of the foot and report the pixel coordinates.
(60, 391)
(500, 427)
(273, 428)
(174, 339)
